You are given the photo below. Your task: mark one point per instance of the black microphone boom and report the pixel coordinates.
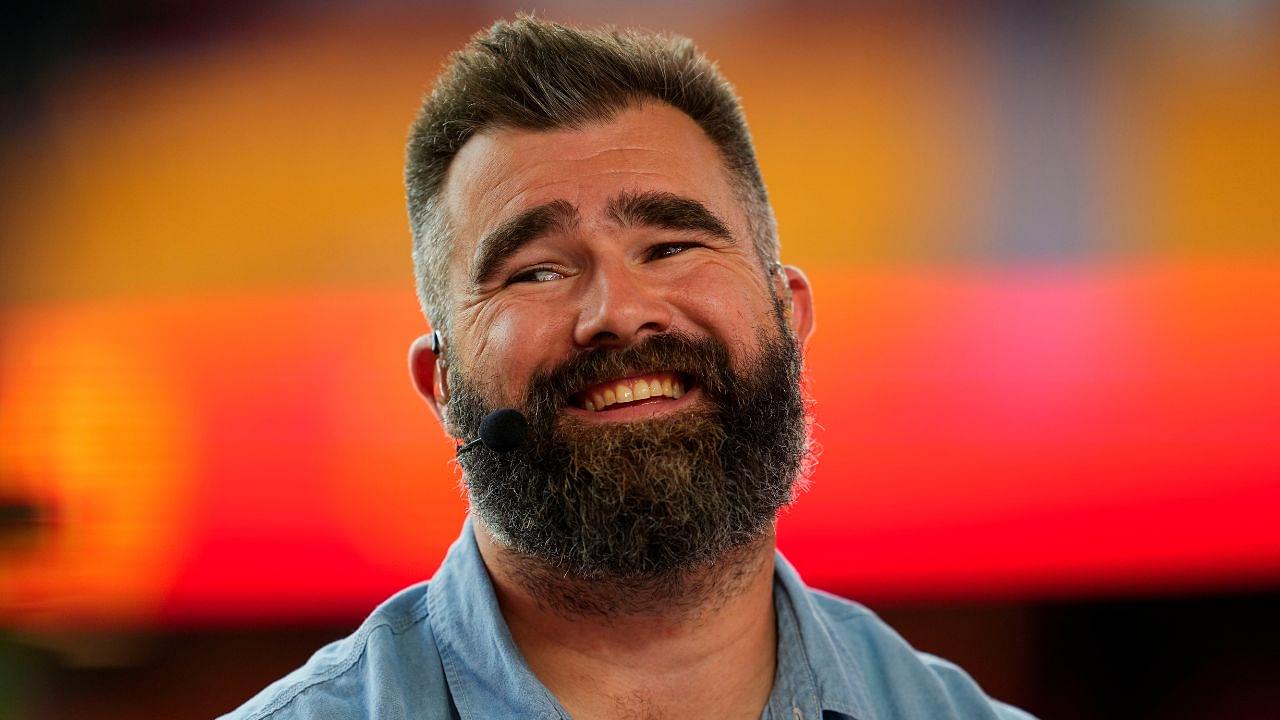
(500, 431)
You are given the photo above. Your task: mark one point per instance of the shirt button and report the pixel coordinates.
(795, 712)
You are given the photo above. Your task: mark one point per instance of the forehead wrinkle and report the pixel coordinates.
(625, 148)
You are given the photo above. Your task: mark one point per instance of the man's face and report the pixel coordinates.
(606, 284)
(601, 283)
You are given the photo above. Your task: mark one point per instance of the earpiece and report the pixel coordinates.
(442, 368)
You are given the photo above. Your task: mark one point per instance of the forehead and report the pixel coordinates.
(651, 147)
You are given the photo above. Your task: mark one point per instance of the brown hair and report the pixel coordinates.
(537, 75)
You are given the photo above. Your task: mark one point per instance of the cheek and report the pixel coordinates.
(730, 305)
(514, 344)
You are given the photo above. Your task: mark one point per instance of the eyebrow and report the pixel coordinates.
(667, 211)
(515, 233)
(653, 209)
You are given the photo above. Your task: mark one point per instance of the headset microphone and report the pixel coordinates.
(500, 431)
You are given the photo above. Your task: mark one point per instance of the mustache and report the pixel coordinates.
(703, 360)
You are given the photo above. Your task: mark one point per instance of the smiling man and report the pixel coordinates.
(595, 249)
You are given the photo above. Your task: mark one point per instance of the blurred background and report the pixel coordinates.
(1045, 245)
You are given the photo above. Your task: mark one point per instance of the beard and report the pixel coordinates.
(606, 515)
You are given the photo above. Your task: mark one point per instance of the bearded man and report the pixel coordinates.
(595, 249)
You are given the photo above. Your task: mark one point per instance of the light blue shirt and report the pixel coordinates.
(442, 650)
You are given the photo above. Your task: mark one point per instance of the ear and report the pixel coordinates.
(797, 297)
(429, 372)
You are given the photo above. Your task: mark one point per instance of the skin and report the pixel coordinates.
(601, 285)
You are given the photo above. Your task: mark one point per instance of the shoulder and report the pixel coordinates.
(388, 668)
(912, 683)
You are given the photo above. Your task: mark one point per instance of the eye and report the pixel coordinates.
(665, 250)
(535, 275)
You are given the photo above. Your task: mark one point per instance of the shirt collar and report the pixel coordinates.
(837, 682)
(487, 675)
(794, 688)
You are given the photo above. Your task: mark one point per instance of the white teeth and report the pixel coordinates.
(632, 390)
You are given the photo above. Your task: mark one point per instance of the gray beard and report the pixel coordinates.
(619, 519)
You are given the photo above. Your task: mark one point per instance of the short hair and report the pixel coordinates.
(537, 75)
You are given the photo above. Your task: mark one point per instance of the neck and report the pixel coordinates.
(702, 644)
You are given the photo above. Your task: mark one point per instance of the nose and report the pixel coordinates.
(619, 308)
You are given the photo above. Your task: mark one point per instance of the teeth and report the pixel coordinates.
(634, 389)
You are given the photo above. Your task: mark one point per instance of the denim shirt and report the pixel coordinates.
(442, 650)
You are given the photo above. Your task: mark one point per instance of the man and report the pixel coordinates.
(595, 249)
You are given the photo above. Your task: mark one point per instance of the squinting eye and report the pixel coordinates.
(669, 249)
(536, 275)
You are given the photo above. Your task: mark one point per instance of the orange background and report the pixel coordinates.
(1047, 273)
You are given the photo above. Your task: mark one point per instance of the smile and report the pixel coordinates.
(631, 390)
